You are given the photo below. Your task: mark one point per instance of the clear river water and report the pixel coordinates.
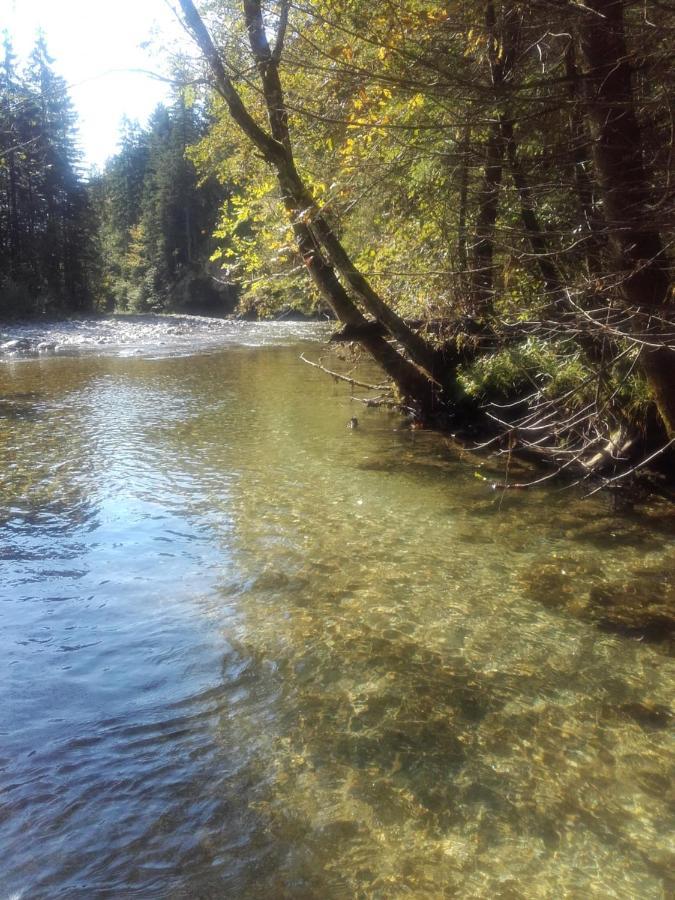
(248, 652)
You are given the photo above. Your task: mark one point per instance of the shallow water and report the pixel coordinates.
(249, 652)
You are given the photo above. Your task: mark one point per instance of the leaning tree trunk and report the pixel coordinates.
(267, 62)
(420, 378)
(617, 150)
(412, 383)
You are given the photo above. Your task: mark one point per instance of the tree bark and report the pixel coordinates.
(502, 39)
(617, 150)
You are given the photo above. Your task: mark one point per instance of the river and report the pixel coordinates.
(250, 652)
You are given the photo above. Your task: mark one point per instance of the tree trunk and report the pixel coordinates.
(416, 388)
(462, 254)
(581, 155)
(502, 39)
(14, 233)
(528, 215)
(617, 149)
(482, 257)
(550, 273)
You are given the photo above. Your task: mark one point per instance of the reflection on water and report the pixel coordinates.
(250, 652)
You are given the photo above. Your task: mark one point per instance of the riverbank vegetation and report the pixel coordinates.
(481, 193)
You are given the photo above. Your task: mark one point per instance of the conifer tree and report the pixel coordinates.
(47, 228)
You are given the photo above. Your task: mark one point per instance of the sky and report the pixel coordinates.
(94, 44)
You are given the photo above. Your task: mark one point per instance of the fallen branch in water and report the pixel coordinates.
(378, 402)
(347, 378)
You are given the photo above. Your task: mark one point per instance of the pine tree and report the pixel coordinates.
(46, 224)
(157, 219)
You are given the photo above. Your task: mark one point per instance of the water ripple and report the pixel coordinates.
(250, 652)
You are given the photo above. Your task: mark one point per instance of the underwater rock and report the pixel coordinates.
(636, 609)
(557, 583)
(648, 715)
(641, 606)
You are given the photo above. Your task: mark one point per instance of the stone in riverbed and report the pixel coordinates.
(642, 607)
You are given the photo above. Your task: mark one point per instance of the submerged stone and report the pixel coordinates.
(633, 609)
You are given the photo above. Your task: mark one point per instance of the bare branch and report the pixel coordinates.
(281, 30)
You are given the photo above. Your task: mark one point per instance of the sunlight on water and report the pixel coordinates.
(250, 652)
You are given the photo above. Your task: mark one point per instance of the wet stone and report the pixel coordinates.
(649, 715)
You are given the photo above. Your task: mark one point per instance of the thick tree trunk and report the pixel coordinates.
(617, 149)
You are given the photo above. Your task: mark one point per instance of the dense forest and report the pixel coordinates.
(156, 219)
(481, 192)
(48, 236)
(136, 237)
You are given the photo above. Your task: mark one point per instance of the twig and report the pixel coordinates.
(378, 402)
(347, 378)
(643, 462)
